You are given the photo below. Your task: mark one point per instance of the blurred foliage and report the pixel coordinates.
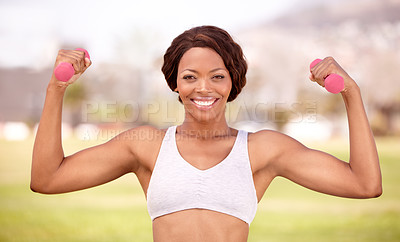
(73, 99)
(364, 40)
(386, 119)
(75, 94)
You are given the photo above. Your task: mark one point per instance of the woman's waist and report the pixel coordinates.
(199, 225)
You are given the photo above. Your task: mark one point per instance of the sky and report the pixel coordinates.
(31, 32)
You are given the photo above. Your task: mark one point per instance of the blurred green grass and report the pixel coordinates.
(117, 211)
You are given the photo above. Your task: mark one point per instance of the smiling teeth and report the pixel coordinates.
(203, 103)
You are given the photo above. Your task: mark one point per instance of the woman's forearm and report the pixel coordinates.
(364, 160)
(47, 151)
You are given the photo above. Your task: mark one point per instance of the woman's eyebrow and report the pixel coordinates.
(213, 70)
(218, 69)
(190, 70)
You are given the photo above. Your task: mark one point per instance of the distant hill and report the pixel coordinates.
(323, 14)
(362, 35)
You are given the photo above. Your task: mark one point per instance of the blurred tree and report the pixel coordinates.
(73, 99)
(281, 118)
(384, 122)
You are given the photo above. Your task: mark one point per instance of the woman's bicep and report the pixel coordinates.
(93, 166)
(316, 170)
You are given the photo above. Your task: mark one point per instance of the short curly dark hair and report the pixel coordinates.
(210, 37)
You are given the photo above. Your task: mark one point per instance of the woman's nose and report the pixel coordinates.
(203, 85)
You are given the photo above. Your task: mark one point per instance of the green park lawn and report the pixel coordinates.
(117, 211)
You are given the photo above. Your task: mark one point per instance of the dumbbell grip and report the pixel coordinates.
(65, 71)
(334, 83)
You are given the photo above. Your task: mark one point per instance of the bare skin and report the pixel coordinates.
(204, 139)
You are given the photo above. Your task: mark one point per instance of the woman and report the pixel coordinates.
(203, 179)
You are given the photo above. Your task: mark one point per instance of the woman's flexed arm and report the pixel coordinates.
(319, 171)
(54, 173)
(48, 152)
(364, 160)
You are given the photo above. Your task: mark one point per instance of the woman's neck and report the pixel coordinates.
(209, 130)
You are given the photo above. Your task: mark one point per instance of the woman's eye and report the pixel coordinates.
(189, 77)
(219, 77)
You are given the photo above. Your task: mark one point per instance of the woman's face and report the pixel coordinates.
(203, 83)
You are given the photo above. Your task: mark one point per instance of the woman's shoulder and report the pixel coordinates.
(265, 135)
(271, 142)
(144, 133)
(144, 138)
(144, 143)
(268, 135)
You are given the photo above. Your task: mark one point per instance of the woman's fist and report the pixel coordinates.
(329, 70)
(70, 64)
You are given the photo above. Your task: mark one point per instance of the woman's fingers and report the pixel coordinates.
(75, 57)
(324, 68)
(77, 60)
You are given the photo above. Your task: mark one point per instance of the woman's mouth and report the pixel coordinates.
(204, 102)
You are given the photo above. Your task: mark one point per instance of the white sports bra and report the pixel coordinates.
(227, 187)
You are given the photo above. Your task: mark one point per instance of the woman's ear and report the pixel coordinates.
(179, 98)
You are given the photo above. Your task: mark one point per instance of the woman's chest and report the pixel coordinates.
(204, 154)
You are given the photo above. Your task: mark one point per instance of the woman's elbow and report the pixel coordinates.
(377, 192)
(40, 187)
(373, 191)
(35, 187)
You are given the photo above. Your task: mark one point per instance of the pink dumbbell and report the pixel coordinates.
(64, 71)
(333, 83)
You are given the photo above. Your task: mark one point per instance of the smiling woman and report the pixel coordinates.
(203, 179)
(203, 84)
(229, 52)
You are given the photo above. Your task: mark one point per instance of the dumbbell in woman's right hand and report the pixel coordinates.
(333, 83)
(64, 71)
